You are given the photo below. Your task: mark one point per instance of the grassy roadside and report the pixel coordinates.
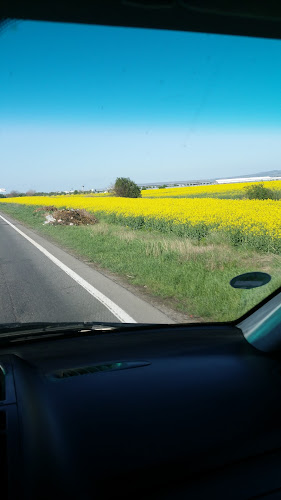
(192, 278)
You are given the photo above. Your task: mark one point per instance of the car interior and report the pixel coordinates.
(145, 410)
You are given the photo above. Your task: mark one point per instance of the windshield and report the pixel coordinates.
(140, 174)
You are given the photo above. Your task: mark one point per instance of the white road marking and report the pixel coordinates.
(109, 304)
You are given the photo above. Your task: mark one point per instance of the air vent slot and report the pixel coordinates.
(106, 367)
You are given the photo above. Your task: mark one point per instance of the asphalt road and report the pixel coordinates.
(34, 288)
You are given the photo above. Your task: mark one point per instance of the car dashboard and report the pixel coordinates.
(167, 412)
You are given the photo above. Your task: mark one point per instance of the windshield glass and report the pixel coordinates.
(140, 174)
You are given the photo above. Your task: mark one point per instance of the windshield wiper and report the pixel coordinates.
(15, 331)
(18, 331)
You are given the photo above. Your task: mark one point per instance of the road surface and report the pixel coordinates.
(41, 282)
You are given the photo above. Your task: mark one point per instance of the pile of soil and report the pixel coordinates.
(47, 208)
(70, 217)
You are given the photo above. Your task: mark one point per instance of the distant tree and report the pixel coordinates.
(126, 188)
(163, 187)
(30, 192)
(76, 192)
(2, 195)
(13, 194)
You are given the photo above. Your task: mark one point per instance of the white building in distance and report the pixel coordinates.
(247, 179)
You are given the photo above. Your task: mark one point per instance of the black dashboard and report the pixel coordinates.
(179, 412)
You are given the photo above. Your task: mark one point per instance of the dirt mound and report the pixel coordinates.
(70, 217)
(47, 208)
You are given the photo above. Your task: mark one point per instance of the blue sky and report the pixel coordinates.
(81, 105)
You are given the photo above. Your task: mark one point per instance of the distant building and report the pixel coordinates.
(206, 182)
(248, 179)
(156, 185)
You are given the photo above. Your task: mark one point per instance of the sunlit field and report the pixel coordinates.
(254, 223)
(190, 275)
(234, 190)
(183, 249)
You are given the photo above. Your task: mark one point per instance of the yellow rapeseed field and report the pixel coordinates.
(259, 218)
(236, 188)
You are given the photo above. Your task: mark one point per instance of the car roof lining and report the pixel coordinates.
(244, 18)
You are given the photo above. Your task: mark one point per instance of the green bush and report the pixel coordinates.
(259, 192)
(126, 188)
